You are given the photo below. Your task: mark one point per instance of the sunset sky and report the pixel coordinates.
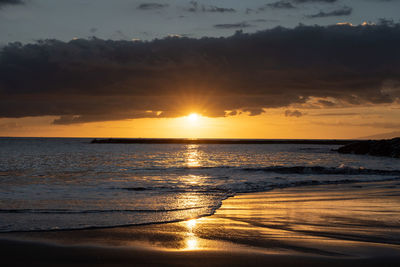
(248, 69)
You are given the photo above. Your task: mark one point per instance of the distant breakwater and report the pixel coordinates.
(218, 141)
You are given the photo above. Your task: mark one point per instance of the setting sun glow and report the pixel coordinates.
(193, 117)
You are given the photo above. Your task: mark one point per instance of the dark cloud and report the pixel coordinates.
(249, 10)
(285, 4)
(151, 6)
(281, 4)
(293, 113)
(326, 103)
(239, 25)
(264, 20)
(3, 2)
(335, 114)
(231, 113)
(196, 7)
(98, 80)
(219, 9)
(10, 2)
(344, 11)
(315, 1)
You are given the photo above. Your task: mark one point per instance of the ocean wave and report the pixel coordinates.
(284, 170)
(340, 170)
(65, 211)
(229, 190)
(324, 170)
(291, 169)
(188, 189)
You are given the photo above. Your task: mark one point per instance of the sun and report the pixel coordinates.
(193, 117)
(193, 123)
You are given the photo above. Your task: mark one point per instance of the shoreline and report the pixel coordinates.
(295, 186)
(271, 226)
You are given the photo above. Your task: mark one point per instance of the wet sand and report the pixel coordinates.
(338, 225)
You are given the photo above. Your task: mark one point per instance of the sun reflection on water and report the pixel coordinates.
(192, 159)
(192, 156)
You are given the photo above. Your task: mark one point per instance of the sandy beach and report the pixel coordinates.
(346, 225)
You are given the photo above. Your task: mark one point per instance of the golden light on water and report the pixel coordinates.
(192, 156)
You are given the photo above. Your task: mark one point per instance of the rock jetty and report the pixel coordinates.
(386, 148)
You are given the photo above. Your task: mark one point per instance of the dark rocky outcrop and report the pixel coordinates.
(387, 148)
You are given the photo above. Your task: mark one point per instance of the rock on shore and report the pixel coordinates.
(387, 148)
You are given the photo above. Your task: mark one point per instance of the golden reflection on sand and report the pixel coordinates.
(191, 243)
(191, 239)
(191, 224)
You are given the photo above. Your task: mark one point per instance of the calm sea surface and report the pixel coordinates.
(69, 183)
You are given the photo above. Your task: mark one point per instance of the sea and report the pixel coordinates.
(70, 183)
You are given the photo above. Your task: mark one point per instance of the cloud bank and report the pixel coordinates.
(10, 2)
(315, 1)
(196, 7)
(281, 4)
(239, 25)
(344, 11)
(152, 6)
(99, 80)
(293, 113)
